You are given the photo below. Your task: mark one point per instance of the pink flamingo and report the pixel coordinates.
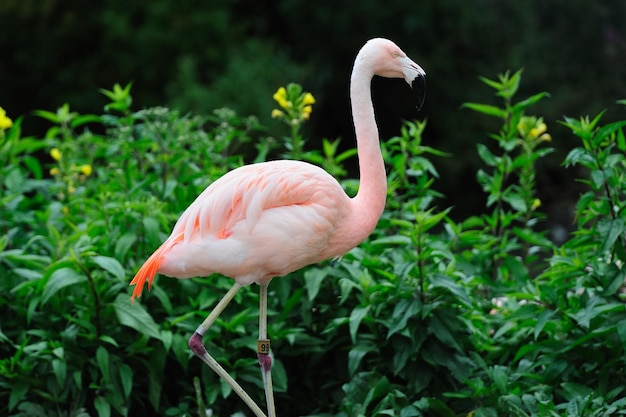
(266, 220)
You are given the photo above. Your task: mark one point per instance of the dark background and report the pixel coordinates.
(199, 55)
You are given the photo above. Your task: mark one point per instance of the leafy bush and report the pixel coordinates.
(428, 317)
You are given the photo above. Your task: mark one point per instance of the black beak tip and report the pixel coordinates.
(419, 86)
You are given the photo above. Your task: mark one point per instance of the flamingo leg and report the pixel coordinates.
(196, 345)
(263, 351)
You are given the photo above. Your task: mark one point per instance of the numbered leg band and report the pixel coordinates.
(263, 346)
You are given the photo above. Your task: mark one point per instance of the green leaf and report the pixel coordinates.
(574, 390)
(356, 355)
(156, 369)
(123, 245)
(111, 265)
(610, 231)
(345, 155)
(500, 378)
(135, 316)
(152, 227)
(392, 240)
(412, 411)
(102, 358)
(356, 317)
(486, 109)
(522, 351)
(108, 339)
(458, 290)
(580, 156)
(102, 406)
(167, 337)
(34, 166)
(84, 119)
(532, 237)
(381, 388)
(605, 131)
(541, 322)
(439, 328)
(18, 391)
(402, 312)
(491, 83)
(516, 201)
(485, 154)
(427, 220)
(126, 378)
(313, 279)
(181, 350)
(346, 286)
(280, 378)
(522, 105)
(440, 408)
(510, 84)
(44, 114)
(59, 367)
(60, 279)
(621, 331)
(485, 412)
(614, 280)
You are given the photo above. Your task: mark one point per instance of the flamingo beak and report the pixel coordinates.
(419, 86)
(415, 76)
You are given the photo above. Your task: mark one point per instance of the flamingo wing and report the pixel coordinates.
(255, 222)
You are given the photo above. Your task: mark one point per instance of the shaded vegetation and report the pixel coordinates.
(430, 316)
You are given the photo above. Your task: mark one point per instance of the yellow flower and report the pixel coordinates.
(535, 132)
(276, 114)
(545, 137)
(86, 169)
(56, 154)
(308, 99)
(54, 171)
(306, 112)
(536, 204)
(5, 122)
(281, 98)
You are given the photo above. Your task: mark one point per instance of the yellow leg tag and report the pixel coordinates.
(263, 346)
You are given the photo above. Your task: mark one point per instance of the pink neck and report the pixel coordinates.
(370, 200)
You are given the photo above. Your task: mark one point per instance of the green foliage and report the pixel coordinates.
(428, 317)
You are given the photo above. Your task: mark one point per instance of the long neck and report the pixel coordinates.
(371, 197)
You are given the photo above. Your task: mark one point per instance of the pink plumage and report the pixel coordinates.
(257, 222)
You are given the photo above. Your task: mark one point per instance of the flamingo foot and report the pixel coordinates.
(265, 360)
(196, 345)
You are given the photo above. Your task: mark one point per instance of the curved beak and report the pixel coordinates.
(415, 76)
(419, 87)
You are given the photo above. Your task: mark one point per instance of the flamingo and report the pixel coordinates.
(268, 219)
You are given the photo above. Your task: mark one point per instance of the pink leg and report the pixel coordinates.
(263, 351)
(196, 345)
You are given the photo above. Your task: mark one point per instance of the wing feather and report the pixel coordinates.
(243, 194)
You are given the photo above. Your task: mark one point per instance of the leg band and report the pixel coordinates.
(201, 330)
(263, 346)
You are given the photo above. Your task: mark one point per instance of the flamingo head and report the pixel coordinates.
(388, 60)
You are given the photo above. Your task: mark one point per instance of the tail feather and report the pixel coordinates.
(149, 269)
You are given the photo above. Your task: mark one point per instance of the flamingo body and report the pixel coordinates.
(257, 222)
